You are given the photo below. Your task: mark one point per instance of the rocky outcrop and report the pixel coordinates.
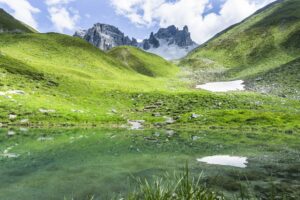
(105, 37)
(170, 36)
(170, 42)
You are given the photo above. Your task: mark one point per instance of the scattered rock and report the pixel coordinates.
(195, 116)
(46, 111)
(150, 107)
(18, 92)
(170, 120)
(12, 116)
(159, 103)
(156, 115)
(136, 124)
(159, 125)
(77, 111)
(24, 121)
(11, 133)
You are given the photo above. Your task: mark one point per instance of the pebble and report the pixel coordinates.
(24, 121)
(195, 116)
(12, 116)
(46, 111)
(11, 133)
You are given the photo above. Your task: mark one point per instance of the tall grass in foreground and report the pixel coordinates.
(181, 187)
(167, 188)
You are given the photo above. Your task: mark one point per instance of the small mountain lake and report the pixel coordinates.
(57, 163)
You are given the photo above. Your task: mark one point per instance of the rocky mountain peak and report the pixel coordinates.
(169, 42)
(173, 36)
(105, 36)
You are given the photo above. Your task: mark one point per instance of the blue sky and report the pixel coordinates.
(136, 18)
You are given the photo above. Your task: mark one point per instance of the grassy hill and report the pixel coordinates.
(10, 24)
(143, 62)
(266, 40)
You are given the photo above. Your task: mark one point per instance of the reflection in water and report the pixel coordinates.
(75, 163)
(233, 161)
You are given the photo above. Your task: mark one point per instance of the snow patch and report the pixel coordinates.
(223, 86)
(233, 161)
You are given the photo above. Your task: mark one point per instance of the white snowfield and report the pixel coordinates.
(223, 86)
(225, 160)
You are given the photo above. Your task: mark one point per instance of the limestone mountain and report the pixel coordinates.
(170, 42)
(105, 37)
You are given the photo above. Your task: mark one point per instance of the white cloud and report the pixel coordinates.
(188, 12)
(23, 11)
(62, 16)
(57, 2)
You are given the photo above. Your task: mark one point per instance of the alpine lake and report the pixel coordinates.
(104, 163)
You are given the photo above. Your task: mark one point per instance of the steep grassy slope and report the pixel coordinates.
(283, 81)
(142, 62)
(10, 24)
(264, 41)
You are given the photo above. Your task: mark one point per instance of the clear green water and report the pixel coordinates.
(53, 164)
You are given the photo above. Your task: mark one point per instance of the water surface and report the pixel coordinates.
(53, 164)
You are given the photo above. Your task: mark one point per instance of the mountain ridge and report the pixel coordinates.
(167, 42)
(9, 24)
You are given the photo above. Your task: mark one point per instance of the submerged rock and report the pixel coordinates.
(10, 155)
(45, 139)
(12, 116)
(195, 138)
(136, 124)
(11, 133)
(170, 133)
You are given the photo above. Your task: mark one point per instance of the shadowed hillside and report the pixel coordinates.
(10, 24)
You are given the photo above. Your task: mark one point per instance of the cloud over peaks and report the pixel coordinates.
(188, 12)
